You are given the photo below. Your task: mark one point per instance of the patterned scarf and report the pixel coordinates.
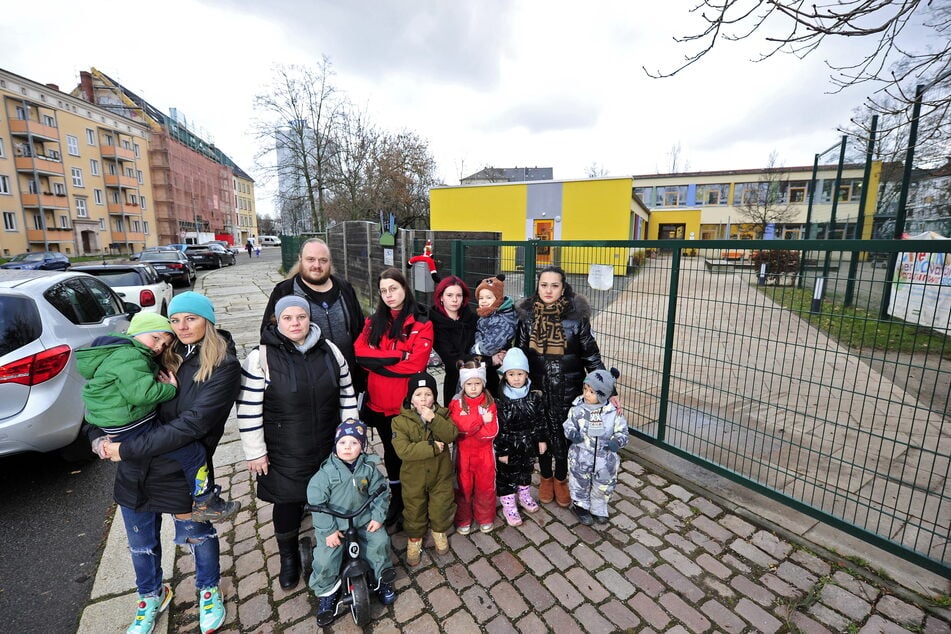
(548, 337)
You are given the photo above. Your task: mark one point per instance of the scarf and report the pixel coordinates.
(548, 337)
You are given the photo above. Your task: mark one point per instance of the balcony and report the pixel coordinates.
(128, 236)
(22, 127)
(116, 152)
(124, 209)
(114, 180)
(48, 201)
(41, 164)
(52, 235)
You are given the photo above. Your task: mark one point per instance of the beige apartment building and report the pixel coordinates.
(74, 177)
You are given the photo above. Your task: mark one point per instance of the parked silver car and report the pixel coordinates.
(44, 317)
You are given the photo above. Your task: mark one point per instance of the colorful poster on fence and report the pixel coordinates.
(922, 290)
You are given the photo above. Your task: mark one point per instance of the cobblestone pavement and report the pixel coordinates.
(675, 557)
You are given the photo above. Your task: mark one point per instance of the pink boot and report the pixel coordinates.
(510, 510)
(525, 499)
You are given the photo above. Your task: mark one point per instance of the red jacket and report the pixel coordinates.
(391, 363)
(475, 434)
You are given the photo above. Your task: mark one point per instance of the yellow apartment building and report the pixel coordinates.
(247, 222)
(74, 177)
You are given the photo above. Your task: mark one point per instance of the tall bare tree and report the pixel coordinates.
(595, 170)
(301, 112)
(357, 181)
(898, 57)
(408, 171)
(764, 202)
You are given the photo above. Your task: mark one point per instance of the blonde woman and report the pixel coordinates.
(148, 484)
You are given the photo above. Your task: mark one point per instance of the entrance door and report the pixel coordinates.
(544, 230)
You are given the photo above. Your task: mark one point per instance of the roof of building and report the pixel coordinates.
(510, 174)
(742, 172)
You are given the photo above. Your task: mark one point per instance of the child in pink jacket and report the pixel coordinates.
(473, 412)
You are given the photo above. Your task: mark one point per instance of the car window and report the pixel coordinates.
(117, 278)
(160, 256)
(19, 323)
(74, 302)
(104, 297)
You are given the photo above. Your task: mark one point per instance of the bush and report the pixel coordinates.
(777, 260)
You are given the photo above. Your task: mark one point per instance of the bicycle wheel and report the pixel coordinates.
(360, 600)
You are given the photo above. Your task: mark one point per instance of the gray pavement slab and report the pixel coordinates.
(684, 551)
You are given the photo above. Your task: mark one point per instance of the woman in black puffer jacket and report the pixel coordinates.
(554, 332)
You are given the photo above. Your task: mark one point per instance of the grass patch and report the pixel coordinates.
(858, 328)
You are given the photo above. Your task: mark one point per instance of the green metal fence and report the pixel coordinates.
(793, 367)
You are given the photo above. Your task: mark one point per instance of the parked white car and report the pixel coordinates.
(138, 283)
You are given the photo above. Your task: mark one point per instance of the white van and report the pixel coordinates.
(269, 241)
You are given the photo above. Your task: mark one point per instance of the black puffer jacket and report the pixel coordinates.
(452, 339)
(146, 481)
(301, 414)
(560, 377)
(521, 424)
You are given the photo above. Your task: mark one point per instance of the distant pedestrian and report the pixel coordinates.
(249, 247)
(257, 251)
(473, 412)
(522, 436)
(596, 431)
(421, 435)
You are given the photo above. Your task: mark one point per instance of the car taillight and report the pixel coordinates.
(175, 265)
(146, 298)
(36, 368)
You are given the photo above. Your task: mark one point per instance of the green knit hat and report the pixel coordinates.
(148, 322)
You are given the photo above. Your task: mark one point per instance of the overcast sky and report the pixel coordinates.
(542, 83)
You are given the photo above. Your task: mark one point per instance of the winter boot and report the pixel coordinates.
(562, 496)
(546, 491)
(584, 515)
(394, 516)
(289, 549)
(442, 544)
(510, 510)
(525, 499)
(326, 609)
(209, 507)
(385, 591)
(414, 550)
(147, 610)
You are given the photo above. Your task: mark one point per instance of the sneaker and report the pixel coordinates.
(326, 609)
(211, 610)
(583, 515)
(211, 508)
(464, 530)
(386, 593)
(486, 528)
(148, 609)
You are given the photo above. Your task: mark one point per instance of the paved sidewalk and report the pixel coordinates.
(685, 551)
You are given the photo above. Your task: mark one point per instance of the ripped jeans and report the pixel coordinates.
(143, 533)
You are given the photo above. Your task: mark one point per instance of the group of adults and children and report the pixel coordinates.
(524, 383)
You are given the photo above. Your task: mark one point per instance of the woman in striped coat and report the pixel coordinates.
(295, 390)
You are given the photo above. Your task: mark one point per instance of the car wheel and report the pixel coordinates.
(218, 263)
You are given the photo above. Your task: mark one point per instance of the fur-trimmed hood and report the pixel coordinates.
(578, 308)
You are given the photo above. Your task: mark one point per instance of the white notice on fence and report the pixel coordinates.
(601, 277)
(922, 289)
(388, 257)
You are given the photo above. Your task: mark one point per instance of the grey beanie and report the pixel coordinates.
(290, 300)
(602, 382)
(515, 359)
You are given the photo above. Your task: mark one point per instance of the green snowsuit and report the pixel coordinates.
(427, 473)
(339, 488)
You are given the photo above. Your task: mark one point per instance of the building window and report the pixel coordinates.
(130, 172)
(672, 195)
(140, 177)
(94, 167)
(142, 202)
(72, 145)
(4, 184)
(135, 147)
(37, 221)
(1, 148)
(90, 136)
(21, 113)
(102, 224)
(646, 194)
(64, 222)
(77, 176)
(119, 224)
(9, 221)
(713, 194)
(97, 196)
(31, 187)
(107, 140)
(796, 192)
(48, 120)
(136, 226)
(133, 200)
(112, 169)
(126, 145)
(81, 210)
(145, 226)
(59, 189)
(115, 197)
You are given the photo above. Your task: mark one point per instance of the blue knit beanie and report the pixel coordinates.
(515, 359)
(353, 428)
(194, 303)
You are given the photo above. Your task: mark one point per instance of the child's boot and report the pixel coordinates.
(326, 609)
(148, 609)
(442, 544)
(510, 510)
(546, 491)
(385, 591)
(414, 550)
(562, 496)
(209, 507)
(525, 499)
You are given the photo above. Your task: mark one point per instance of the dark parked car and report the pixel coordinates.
(38, 261)
(44, 317)
(172, 265)
(229, 247)
(209, 256)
